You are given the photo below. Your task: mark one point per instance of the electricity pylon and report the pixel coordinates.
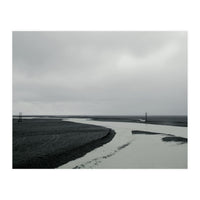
(20, 117)
(146, 117)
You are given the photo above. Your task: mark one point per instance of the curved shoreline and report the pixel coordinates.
(51, 143)
(82, 150)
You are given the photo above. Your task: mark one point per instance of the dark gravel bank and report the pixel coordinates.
(175, 139)
(168, 138)
(49, 143)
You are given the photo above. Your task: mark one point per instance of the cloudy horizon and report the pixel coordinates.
(100, 73)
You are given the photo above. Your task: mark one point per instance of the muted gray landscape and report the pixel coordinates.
(100, 99)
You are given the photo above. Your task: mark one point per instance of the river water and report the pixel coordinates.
(128, 151)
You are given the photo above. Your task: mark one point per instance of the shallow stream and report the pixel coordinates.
(127, 150)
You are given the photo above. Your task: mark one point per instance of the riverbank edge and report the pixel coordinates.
(58, 159)
(167, 138)
(82, 150)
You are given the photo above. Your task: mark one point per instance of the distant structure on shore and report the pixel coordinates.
(20, 117)
(146, 117)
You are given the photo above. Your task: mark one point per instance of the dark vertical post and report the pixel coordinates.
(146, 117)
(20, 117)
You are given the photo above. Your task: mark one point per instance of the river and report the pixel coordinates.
(129, 151)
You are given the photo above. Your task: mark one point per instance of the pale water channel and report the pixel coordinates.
(127, 150)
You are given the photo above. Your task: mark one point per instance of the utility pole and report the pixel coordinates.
(20, 117)
(146, 117)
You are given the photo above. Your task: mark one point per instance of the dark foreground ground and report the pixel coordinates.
(49, 143)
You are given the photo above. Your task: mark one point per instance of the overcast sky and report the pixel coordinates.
(100, 73)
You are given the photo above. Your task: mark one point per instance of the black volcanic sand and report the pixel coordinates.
(49, 143)
(145, 132)
(160, 120)
(168, 138)
(175, 139)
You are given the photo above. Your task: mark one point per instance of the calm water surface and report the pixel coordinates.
(134, 151)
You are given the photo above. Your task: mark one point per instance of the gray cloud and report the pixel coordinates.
(100, 72)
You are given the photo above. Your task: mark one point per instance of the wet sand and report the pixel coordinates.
(49, 143)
